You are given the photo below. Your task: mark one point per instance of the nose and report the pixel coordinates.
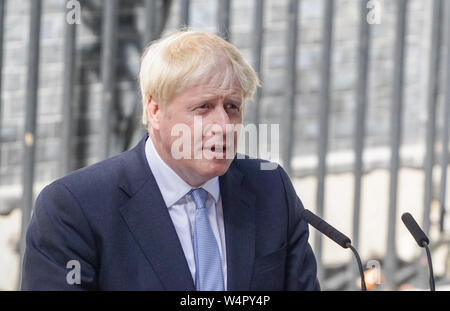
(220, 118)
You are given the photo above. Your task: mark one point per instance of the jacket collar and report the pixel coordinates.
(149, 221)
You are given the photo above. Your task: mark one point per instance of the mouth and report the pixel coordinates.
(217, 151)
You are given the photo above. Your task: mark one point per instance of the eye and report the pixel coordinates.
(202, 107)
(232, 106)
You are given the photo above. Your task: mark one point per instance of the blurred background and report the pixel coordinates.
(359, 88)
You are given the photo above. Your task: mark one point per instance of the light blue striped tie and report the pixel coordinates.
(209, 275)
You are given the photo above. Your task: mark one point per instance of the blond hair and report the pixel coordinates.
(191, 57)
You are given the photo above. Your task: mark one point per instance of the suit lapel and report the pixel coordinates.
(149, 221)
(239, 219)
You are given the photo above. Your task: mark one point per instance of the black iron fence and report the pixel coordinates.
(157, 12)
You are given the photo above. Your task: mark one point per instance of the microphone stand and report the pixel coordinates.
(430, 266)
(422, 240)
(361, 271)
(335, 235)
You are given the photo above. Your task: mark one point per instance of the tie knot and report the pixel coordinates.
(199, 195)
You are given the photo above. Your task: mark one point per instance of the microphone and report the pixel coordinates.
(335, 235)
(422, 240)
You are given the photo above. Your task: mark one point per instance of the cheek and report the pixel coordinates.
(236, 117)
(165, 129)
(167, 139)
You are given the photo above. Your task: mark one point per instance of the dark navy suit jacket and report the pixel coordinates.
(112, 219)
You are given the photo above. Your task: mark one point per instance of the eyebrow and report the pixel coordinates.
(208, 97)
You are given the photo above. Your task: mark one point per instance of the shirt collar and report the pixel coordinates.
(172, 186)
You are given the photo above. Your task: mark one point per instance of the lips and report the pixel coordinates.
(217, 151)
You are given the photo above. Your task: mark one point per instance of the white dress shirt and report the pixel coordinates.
(182, 207)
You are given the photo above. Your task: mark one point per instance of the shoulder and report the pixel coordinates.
(104, 172)
(102, 183)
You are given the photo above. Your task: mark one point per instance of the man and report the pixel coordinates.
(177, 212)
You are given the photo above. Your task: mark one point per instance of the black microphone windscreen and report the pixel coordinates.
(325, 228)
(415, 230)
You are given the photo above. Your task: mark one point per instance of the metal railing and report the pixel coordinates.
(158, 11)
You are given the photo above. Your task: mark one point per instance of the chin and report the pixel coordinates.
(213, 168)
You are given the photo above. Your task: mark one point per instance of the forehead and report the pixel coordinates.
(208, 92)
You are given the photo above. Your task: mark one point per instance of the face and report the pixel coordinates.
(195, 134)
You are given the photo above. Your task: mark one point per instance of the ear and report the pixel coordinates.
(153, 113)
